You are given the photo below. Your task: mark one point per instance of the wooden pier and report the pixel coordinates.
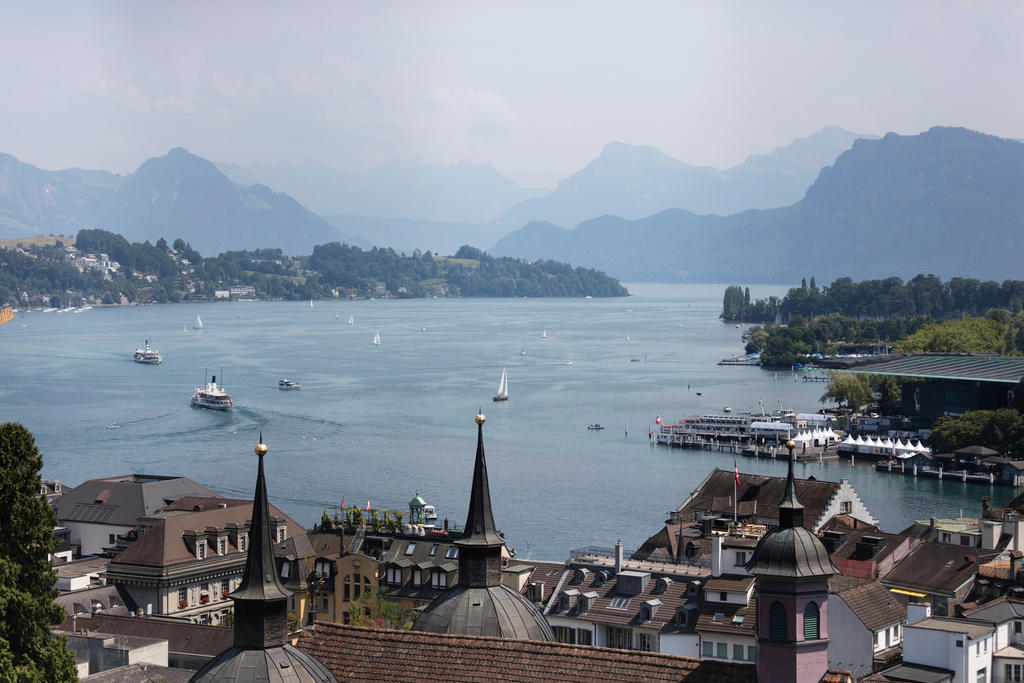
(940, 473)
(745, 447)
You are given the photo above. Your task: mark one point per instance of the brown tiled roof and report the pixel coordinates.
(716, 493)
(602, 612)
(937, 568)
(847, 549)
(730, 611)
(728, 582)
(548, 573)
(837, 583)
(362, 654)
(874, 605)
(163, 544)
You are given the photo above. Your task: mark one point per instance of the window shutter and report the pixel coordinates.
(777, 622)
(811, 631)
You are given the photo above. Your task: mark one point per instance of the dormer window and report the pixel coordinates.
(285, 569)
(222, 546)
(585, 601)
(242, 538)
(648, 609)
(395, 576)
(281, 533)
(200, 550)
(433, 549)
(410, 548)
(417, 577)
(439, 579)
(453, 552)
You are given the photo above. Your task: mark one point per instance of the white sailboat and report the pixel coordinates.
(376, 338)
(311, 303)
(544, 334)
(502, 394)
(199, 323)
(351, 320)
(523, 351)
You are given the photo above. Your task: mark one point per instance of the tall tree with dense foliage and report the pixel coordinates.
(27, 650)
(1001, 430)
(847, 390)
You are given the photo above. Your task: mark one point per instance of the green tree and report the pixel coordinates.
(847, 390)
(1001, 430)
(27, 650)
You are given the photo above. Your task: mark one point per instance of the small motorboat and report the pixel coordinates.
(595, 427)
(113, 425)
(287, 384)
(568, 362)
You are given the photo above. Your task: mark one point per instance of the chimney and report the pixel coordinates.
(716, 555)
(918, 610)
(989, 533)
(618, 556)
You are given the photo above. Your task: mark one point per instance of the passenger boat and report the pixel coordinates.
(595, 427)
(429, 513)
(502, 394)
(287, 384)
(212, 397)
(147, 355)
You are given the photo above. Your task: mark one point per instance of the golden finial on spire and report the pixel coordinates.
(480, 417)
(791, 445)
(261, 448)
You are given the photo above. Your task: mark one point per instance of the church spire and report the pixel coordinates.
(791, 512)
(480, 548)
(260, 600)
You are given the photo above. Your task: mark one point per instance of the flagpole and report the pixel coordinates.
(735, 492)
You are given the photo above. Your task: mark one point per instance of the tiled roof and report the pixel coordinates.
(911, 673)
(960, 366)
(936, 568)
(164, 545)
(874, 605)
(728, 617)
(837, 583)
(362, 654)
(717, 489)
(627, 612)
(728, 582)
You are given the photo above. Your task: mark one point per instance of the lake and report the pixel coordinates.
(379, 423)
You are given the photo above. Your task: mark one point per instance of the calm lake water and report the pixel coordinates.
(379, 423)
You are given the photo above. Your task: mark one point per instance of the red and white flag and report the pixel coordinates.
(342, 504)
(736, 471)
(367, 504)
(657, 421)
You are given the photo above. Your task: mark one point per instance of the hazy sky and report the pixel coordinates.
(535, 88)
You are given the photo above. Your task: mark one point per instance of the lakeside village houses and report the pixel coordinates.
(750, 578)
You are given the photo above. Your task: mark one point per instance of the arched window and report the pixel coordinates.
(777, 622)
(811, 630)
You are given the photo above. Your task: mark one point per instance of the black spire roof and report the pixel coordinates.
(791, 512)
(262, 651)
(480, 531)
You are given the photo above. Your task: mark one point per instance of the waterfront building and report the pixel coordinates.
(867, 626)
(189, 556)
(792, 569)
(261, 651)
(97, 511)
(757, 498)
(481, 605)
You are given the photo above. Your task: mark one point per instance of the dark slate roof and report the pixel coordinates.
(142, 673)
(717, 489)
(959, 366)
(792, 553)
(874, 605)
(936, 568)
(111, 597)
(123, 499)
(362, 654)
(181, 636)
(998, 611)
(847, 546)
(496, 611)
(284, 663)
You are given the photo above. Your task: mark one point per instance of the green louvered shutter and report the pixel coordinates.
(777, 622)
(811, 631)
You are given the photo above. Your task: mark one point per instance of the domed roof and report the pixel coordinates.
(495, 611)
(284, 664)
(793, 553)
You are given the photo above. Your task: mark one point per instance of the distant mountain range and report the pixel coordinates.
(633, 182)
(947, 201)
(176, 195)
(462, 193)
